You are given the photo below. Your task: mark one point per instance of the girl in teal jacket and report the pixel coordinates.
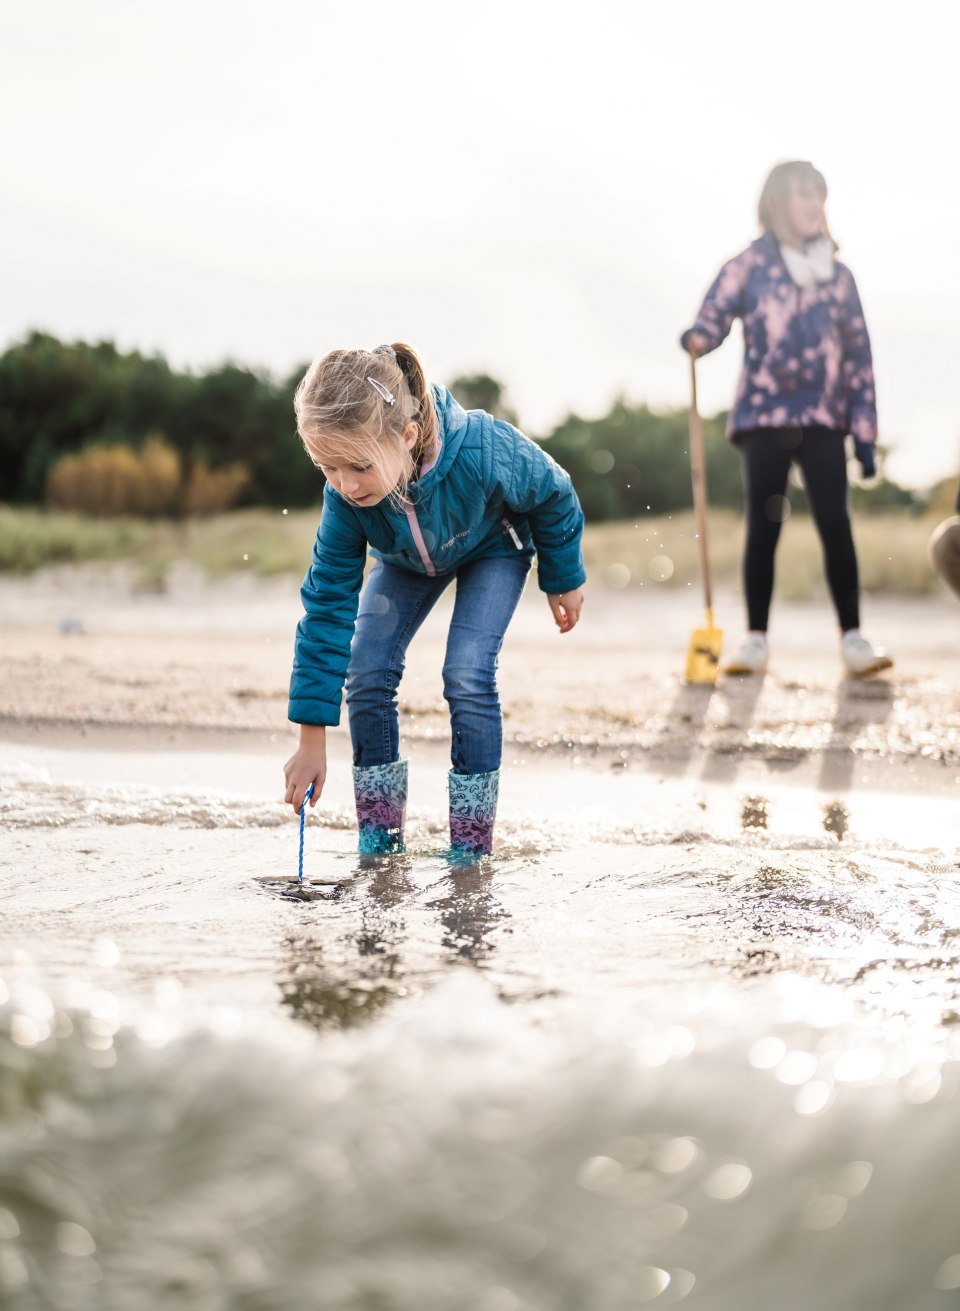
(438, 493)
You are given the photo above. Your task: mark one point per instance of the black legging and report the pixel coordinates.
(767, 454)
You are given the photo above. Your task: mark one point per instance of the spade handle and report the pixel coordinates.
(698, 470)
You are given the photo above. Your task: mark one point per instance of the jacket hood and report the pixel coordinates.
(453, 422)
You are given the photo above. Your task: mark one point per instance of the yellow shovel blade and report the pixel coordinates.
(703, 657)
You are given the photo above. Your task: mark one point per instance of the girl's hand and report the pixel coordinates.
(307, 765)
(566, 608)
(696, 345)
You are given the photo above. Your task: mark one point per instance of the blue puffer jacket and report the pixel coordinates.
(491, 492)
(807, 360)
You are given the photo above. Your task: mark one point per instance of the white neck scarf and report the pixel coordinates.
(811, 265)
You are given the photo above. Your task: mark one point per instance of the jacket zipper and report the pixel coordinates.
(509, 528)
(419, 543)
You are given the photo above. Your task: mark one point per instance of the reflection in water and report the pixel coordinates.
(391, 882)
(836, 819)
(352, 959)
(469, 913)
(343, 982)
(753, 812)
(737, 703)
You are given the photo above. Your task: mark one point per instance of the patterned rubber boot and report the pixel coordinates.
(473, 809)
(381, 796)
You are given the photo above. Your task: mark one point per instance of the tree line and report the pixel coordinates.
(82, 421)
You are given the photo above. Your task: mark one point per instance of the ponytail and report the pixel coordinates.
(422, 394)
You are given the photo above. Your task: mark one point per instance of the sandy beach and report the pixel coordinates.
(691, 1034)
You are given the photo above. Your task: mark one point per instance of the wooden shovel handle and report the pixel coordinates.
(698, 470)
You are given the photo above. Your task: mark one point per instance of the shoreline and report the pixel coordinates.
(833, 770)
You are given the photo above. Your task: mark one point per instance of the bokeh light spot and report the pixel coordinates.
(661, 568)
(948, 1276)
(617, 576)
(728, 1182)
(73, 1240)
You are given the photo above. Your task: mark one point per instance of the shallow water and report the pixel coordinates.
(676, 1041)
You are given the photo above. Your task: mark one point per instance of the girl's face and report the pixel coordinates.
(804, 212)
(365, 484)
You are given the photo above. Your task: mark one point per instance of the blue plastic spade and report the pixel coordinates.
(303, 814)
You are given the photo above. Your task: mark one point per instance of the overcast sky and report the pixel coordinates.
(538, 190)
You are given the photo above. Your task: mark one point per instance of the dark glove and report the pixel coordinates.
(866, 454)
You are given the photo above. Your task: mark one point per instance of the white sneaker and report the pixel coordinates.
(861, 657)
(750, 656)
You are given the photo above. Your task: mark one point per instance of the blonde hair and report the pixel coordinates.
(355, 404)
(781, 181)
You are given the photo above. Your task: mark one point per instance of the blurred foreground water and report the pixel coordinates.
(675, 1042)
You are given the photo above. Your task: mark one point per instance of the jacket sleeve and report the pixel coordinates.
(330, 594)
(722, 304)
(857, 365)
(534, 485)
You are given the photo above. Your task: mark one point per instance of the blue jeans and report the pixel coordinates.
(393, 605)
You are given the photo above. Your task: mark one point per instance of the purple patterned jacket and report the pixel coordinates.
(807, 359)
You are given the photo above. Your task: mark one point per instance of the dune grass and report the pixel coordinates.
(262, 542)
(31, 539)
(891, 548)
(660, 551)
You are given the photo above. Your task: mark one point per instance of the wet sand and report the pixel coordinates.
(112, 699)
(85, 658)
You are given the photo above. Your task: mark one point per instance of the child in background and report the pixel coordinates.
(439, 493)
(807, 382)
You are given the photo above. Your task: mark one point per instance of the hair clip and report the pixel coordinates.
(385, 350)
(378, 387)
